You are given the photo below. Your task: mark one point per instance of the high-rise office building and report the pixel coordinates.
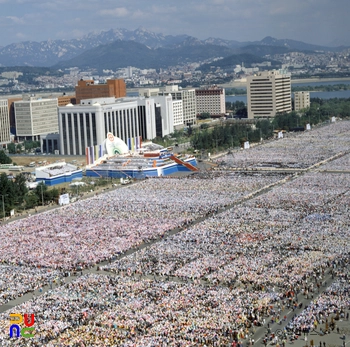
(87, 124)
(11, 106)
(269, 93)
(211, 100)
(88, 89)
(4, 123)
(301, 100)
(35, 117)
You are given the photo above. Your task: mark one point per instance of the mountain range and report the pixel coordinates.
(118, 48)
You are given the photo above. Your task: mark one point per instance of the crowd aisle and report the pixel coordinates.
(342, 163)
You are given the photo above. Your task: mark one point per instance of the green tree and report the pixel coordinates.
(11, 148)
(4, 159)
(53, 194)
(31, 200)
(41, 192)
(265, 128)
(19, 148)
(204, 115)
(7, 190)
(20, 188)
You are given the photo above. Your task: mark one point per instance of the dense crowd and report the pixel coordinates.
(18, 280)
(110, 311)
(95, 229)
(277, 238)
(308, 148)
(210, 284)
(330, 306)
(342, 163)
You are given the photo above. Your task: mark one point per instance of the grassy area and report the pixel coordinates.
(25, 160)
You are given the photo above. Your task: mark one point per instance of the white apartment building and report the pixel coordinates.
(164, 115)
(177, 113)
(4, 123)
(189, 105)
(301, 100)
(211, 100)
(188, 97)
(184, 100)
(268, 93)
(35, 117)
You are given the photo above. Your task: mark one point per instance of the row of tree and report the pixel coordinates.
(326, 88)
(21, 147)
(229, 135)
(321, 110)
(238, 108)
(14, 193)
(16, 196)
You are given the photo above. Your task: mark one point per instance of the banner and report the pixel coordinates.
(63, 199)
(134, 143)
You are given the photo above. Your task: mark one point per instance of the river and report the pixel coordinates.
(322, 95)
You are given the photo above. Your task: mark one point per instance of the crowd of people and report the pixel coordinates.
(277, 238)
(210, 284)
(119, 311)
(330, 306)
(16, 281)
(342, 163)
(96, 229)
(309, 148)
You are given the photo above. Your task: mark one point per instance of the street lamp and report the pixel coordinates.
(42, 195)
(3, 205)
(231, 141)
(216, 141)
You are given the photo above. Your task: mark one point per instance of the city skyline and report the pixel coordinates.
(321, 22)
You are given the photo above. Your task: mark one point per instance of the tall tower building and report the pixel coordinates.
(269, 92)
(301, 100)
(36, 117)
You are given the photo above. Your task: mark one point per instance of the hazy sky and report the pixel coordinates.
(323, 22)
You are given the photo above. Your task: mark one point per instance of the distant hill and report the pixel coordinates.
(157, 47)
(296, 45)
(230, 62)
(49, 53)
(261, 50)
(121, 54)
